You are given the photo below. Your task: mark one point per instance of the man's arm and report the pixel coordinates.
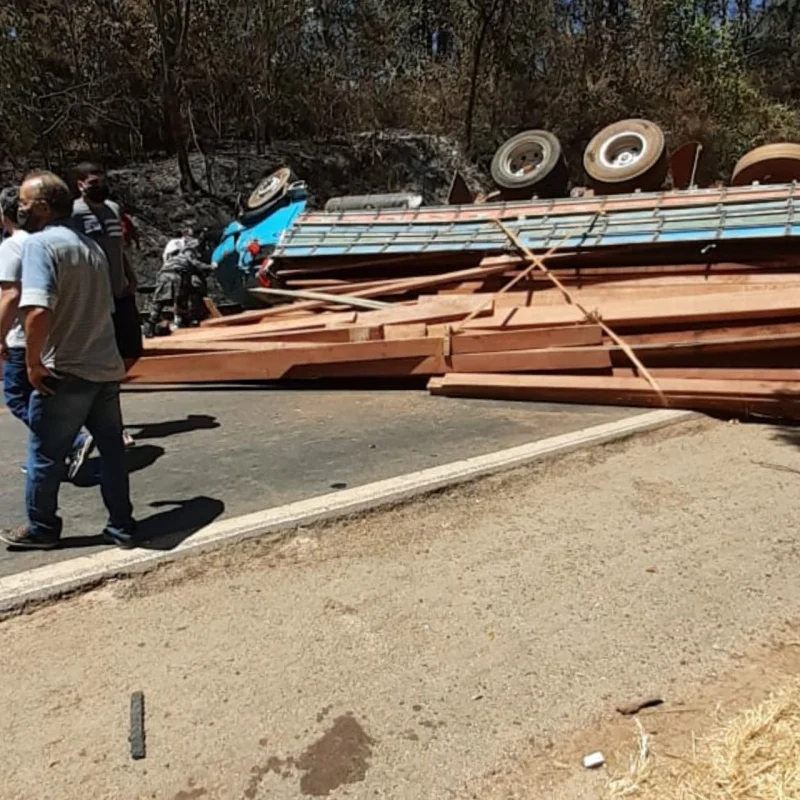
(9, 308)
(130, 276)
(39, 297)
(10, 276)
(38, 322)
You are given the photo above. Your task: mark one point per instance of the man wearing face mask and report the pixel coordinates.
(72, 363)
(100, 219)
(17, 389)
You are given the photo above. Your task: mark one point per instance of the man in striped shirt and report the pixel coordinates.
(99, 218)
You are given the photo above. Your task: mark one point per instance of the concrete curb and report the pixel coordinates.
(56, 579)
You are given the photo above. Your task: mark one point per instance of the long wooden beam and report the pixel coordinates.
(690, 309)
(776, 398)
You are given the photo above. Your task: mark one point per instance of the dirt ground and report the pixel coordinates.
(471, 645)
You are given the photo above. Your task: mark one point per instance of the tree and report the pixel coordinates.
(172, 20)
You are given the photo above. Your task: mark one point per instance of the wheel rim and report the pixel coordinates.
(623, 151)
(268, 187)
(525, 159)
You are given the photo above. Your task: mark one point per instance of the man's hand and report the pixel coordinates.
(37, 375)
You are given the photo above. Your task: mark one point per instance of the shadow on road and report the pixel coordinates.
(137, 458)
(165, 530)
(160, 430)
(788, 433)
(168, 529)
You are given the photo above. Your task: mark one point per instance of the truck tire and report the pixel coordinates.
(532, 162)
(626, 156)
(268, 190)
(772, 163)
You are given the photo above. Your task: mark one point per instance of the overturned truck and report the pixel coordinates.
(277, 246)
(620, 293)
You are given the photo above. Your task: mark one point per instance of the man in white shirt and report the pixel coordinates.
(17, 389)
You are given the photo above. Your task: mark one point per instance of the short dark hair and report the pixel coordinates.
(87, 168)
(9, 203)
(53, 190)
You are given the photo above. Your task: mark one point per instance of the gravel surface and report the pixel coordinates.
(435, 650)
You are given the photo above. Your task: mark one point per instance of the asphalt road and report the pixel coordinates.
(205, 454)
(472, 646)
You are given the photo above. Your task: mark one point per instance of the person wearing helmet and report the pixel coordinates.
(181, 283)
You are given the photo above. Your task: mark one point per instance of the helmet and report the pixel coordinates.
(173, 248)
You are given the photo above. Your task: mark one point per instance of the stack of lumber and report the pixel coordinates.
(719, 336)
(677, 299)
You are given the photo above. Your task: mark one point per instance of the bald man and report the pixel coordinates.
(72, 362)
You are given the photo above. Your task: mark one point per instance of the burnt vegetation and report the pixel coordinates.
(128, 80)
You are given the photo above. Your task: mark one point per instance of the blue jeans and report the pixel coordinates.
(17, 389)
(54, 422)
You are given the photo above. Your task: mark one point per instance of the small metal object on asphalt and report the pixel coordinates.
(594, 760)
(136, 735)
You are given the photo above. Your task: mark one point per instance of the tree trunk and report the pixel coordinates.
(175, 130)
(477, 53)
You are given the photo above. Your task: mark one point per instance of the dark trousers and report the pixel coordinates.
(55, 420)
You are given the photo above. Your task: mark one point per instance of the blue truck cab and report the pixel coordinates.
(250, 239)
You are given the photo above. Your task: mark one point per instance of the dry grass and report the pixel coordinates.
(753, 756)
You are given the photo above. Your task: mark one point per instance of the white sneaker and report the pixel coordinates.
(127, 439)
(79, 455)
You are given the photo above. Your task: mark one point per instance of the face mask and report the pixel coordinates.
(27, 221)
(96, 193)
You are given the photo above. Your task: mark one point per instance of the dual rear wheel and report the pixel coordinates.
(624, 157)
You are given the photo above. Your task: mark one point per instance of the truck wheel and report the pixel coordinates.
(772, 163)
(625, 156)
(268, 190)
(530, 163)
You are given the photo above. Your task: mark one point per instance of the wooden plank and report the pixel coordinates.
(728, 307)
(575, 336)
(754, 332)
(737, 406)
(421, 366)
(445, 311)
(272, 362)
(547, 386)
(677, 294)
(211, 307)
(237, 340)
(384, 288)
(411, 330)
(257, 331)
(552, 360)
(712, 373)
